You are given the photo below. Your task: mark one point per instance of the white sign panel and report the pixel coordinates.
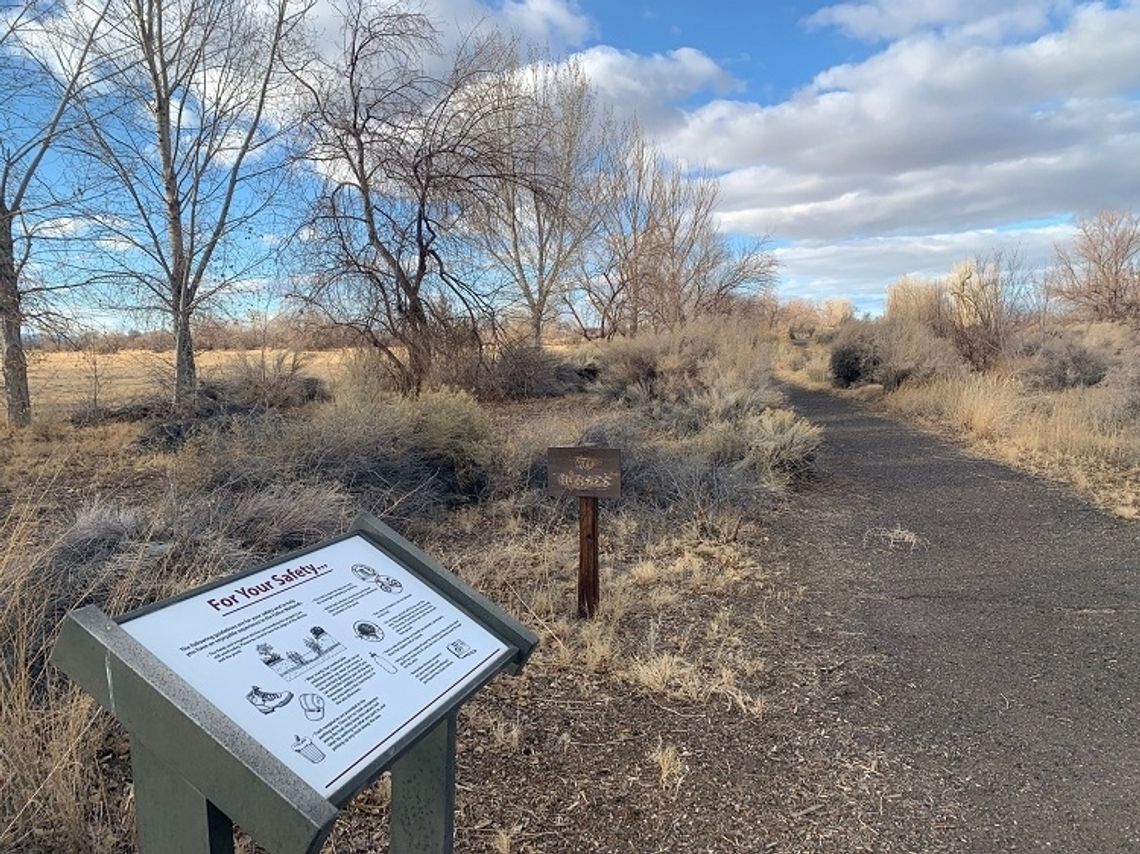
(326, 661)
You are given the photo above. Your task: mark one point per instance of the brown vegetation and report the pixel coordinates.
(88, 517)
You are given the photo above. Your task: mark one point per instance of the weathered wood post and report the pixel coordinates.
(589, 473)
(589, 587)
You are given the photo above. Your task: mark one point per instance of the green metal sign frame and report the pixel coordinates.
(196, 772)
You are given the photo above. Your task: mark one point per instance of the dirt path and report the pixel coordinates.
(1008, 638)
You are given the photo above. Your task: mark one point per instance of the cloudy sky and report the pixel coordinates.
(871, 140)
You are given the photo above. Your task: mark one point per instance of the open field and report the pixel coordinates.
(62, 382)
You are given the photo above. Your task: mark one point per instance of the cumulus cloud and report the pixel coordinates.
(890, 19)
(546, 21)
(936, 131)
(650, 88)
(970, 119)
(553, 24)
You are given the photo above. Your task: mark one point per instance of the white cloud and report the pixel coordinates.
(553, 24)
(972, 117)
(890, 19)
(547, 21)
(936, 132)
(650, 87)
(861, 269)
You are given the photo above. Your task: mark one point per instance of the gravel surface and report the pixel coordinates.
(1006, 613)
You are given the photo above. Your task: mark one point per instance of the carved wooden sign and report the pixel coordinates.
(584, 471)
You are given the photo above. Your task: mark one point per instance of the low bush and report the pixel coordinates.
(680, 366)
(891, 352)
(1057, 361)
(853, 361)
(521, 371)
(776, 445)
(272, 380)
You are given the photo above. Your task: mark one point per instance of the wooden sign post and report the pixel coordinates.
(590, 474)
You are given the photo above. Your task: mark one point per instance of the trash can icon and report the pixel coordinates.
(307, 749)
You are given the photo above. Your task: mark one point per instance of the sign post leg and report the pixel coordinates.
(423, 794)
(588, 585)
(171, 816)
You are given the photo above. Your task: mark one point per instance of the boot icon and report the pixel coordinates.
(268, 701)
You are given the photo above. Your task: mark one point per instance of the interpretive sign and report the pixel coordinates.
(271, 697)
(325, 660)
(584, 471)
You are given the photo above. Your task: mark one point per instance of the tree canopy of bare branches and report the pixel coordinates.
(535, 231)
(660, 258)
(409, 160)
(988, 295)
(184, 148)
(1100, 273)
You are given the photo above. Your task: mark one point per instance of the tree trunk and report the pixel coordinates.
(185, 371)
(17, 397)
(536, 316)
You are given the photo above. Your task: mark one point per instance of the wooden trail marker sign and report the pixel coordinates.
(590, 474)
(271, 697)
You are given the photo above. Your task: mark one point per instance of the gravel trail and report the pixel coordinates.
(1005, 616)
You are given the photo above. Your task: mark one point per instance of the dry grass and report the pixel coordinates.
(894, 538)
(670, 767)
(63, 381)
(89, 518)
(1088, 436)
(980, 406)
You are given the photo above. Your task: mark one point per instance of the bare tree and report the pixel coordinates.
(187, 147)
(988, 298)
(410, 160)
(53, 68)
(1100, 273)
(660, 259)
(535, 230)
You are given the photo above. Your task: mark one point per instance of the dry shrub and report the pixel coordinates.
(271, 380)
(519, 370)
(775, 445)
(676, 366)
(363, 377)
(401, 458)
(511, 370)
(984, 406)
(890, 352)
(920, 301)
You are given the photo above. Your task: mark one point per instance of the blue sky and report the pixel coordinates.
(767, 46)
(871, 140)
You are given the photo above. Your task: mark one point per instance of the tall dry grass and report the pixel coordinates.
(1089, 436)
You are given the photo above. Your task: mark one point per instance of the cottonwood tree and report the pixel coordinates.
(1100, 273)
(535, 231)
(660, 259)
(52, 63)
(410, 160)
(188, 148)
